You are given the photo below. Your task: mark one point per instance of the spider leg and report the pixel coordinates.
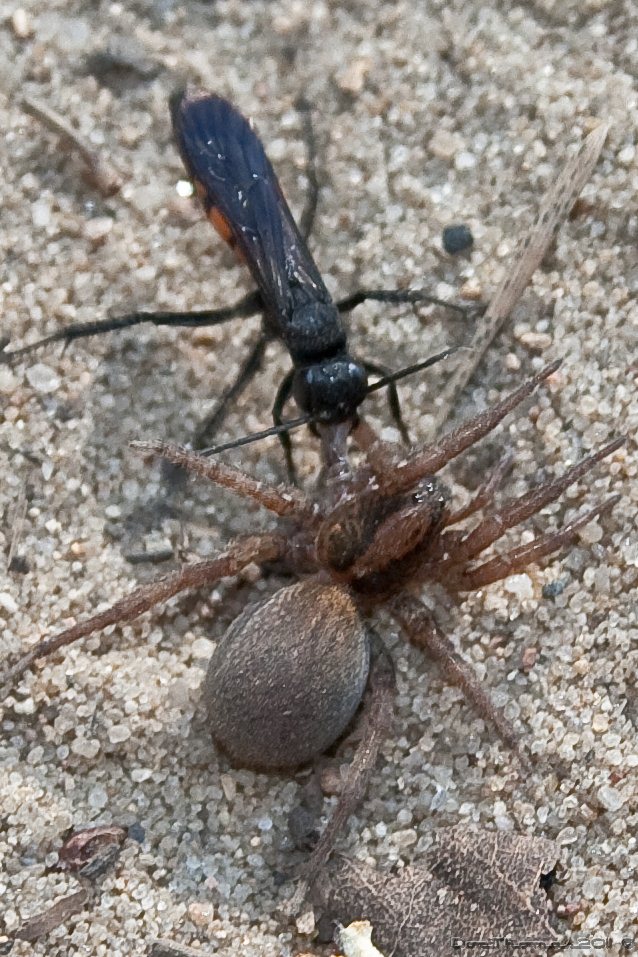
(485, 493)
(519, 510)
(423, 631)
(255, 548)
(375, 724)
(519, 558)
(431, 458)
(285, 500)
(381, 456)
(208, 427)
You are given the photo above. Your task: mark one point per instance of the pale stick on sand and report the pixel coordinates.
(555, 206)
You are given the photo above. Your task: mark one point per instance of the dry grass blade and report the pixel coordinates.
(99, 171)
(16, 523)
(555, 206)
(54, 916)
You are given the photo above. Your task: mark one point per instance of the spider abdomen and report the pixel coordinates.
(287, 677)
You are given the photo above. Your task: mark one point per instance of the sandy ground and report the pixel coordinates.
(426, 115)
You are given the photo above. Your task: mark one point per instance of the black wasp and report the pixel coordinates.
(241, 195)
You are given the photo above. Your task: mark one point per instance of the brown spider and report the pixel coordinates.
(290, 673)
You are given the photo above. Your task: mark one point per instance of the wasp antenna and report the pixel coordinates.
(256, 436)
(174, 100)
(410, 370)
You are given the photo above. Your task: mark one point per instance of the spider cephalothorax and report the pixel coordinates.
(288, 676)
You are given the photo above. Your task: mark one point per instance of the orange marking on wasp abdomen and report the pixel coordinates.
(217, 218)
(222, 225)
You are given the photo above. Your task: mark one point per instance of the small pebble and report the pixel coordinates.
(96, 230)
(8, 602)
(86, 747)
(405, 838)
(356, 940)
(42, 378)
(519, 585)
(445, 145)
(139, 775)
(439, 799)
(21, 24)
(457, 239)
(229, 787)
(137, 833)
(610, 798)
(73, 35)
(353, 77)
(146, 273)
(529, 658)
(35, 755)
(593, 888)
(201, 913)
(591, 533)
(553, 589)
(119, 733)
(465, 160)
(535, 341)
(600, 723)
(40, 214)
(8, 380)
(626, 155)
(471, 290)
(98, 798)
(184, 188)
(331, 782)
(306, 923)
(202, 648)
(567, 836)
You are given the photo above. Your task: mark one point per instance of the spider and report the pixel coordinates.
(288, 676)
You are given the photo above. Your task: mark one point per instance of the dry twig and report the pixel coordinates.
(100, 172)
(555, 206)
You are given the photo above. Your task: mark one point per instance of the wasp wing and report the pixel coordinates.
(242, 197)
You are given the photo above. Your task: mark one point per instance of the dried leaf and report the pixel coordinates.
(473, 886)
(92, 850)
(356, 940)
